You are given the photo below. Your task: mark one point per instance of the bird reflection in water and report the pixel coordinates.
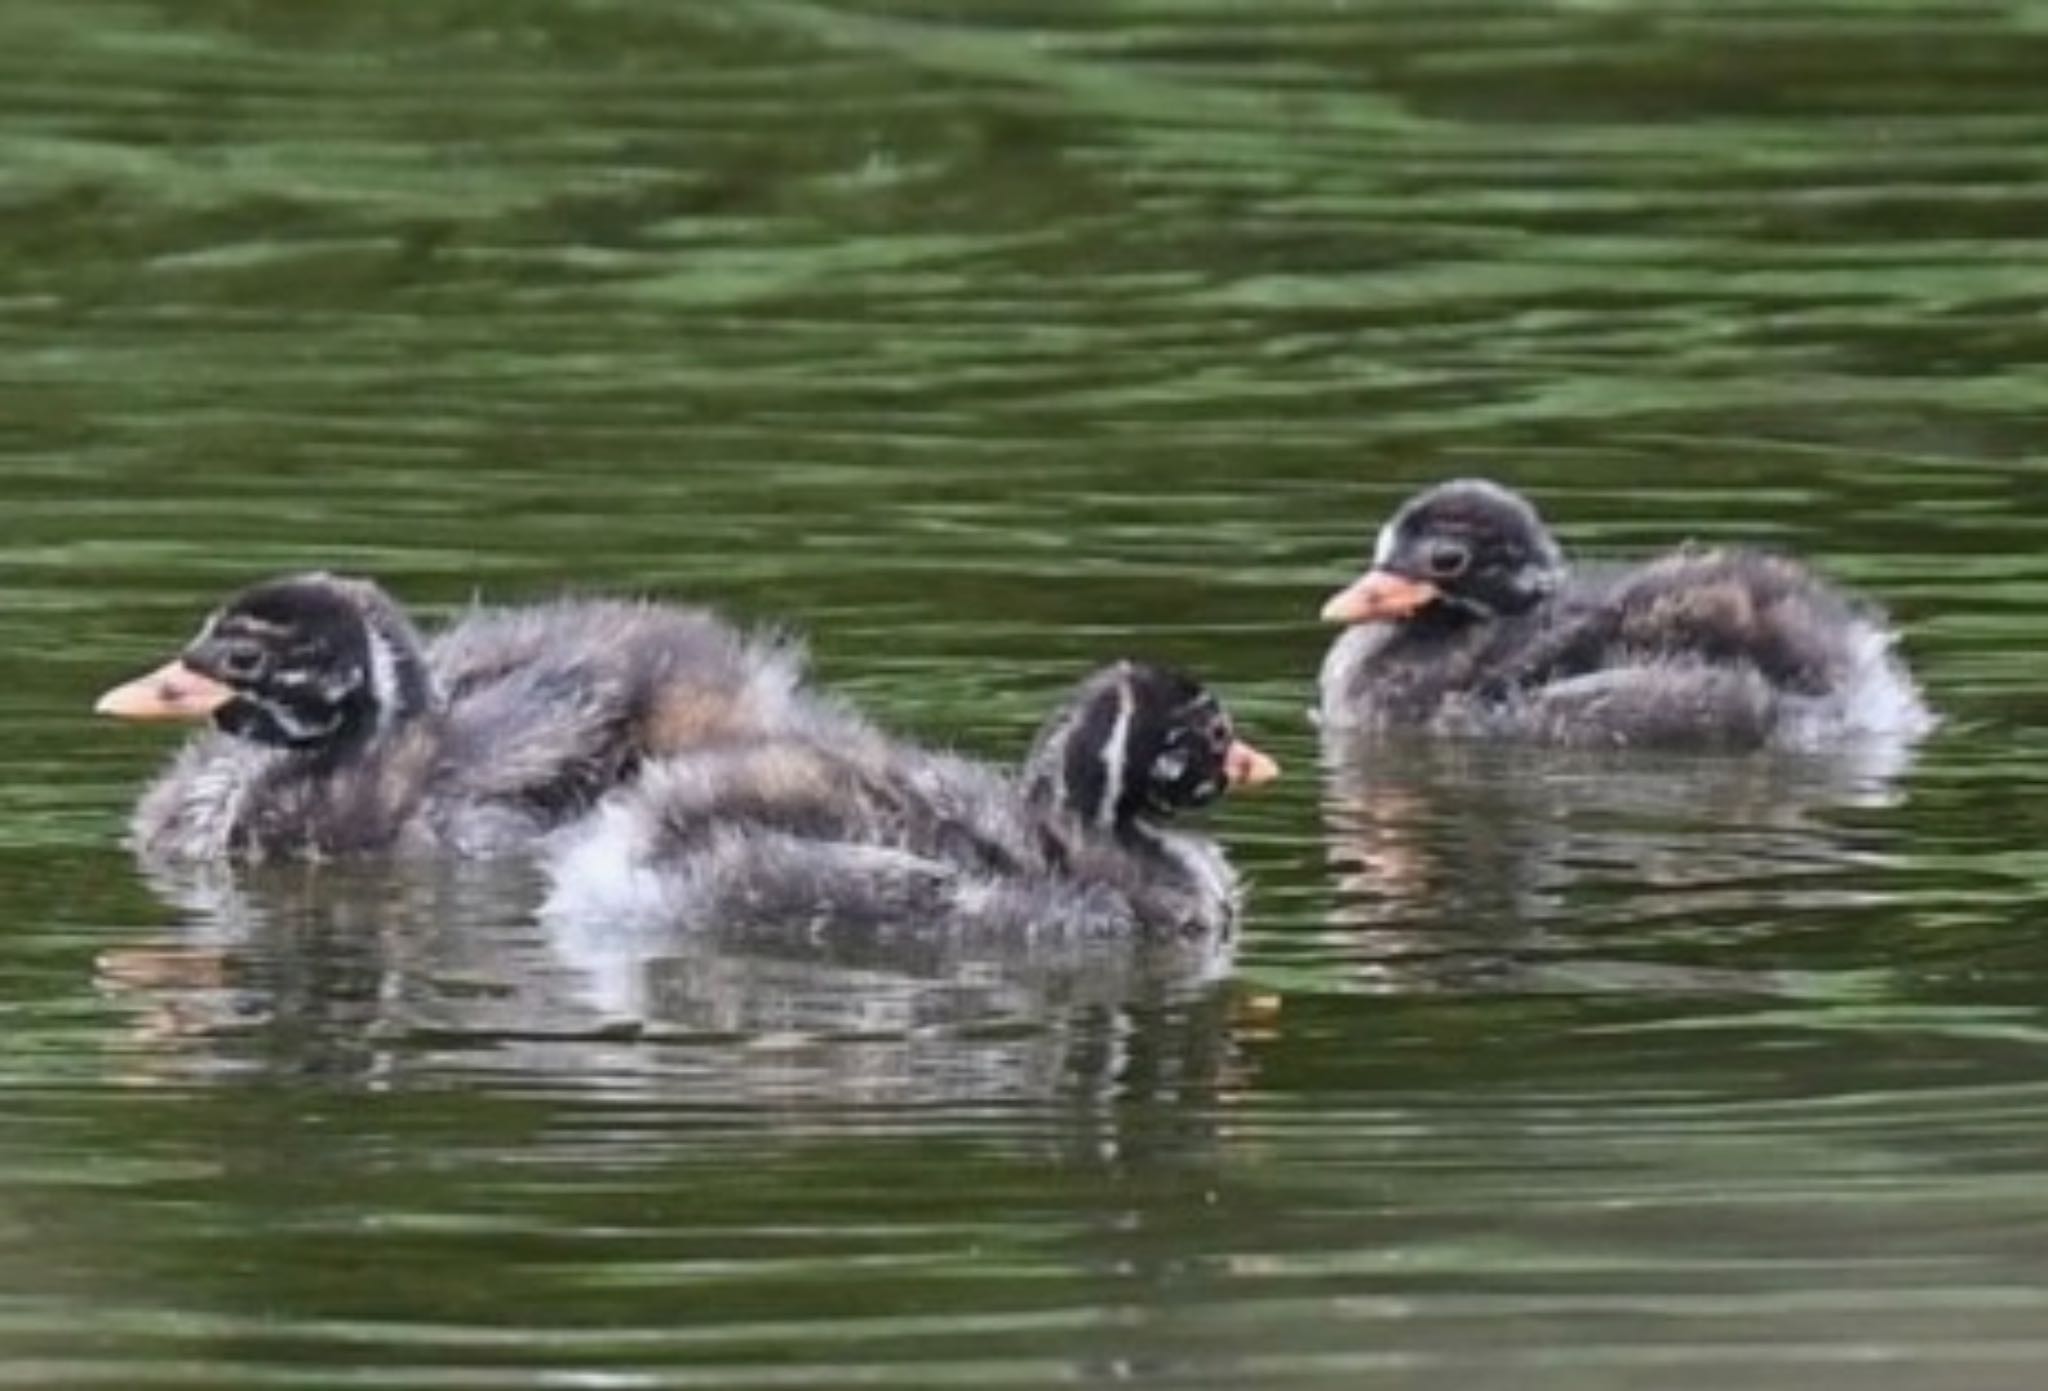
(447, 970)
(1474, 865)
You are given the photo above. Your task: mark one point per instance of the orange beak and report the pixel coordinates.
(172, 692)
(1380, 597)
(1245, 766)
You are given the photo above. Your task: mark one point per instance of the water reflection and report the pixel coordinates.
(1469, 864)
(369, 973)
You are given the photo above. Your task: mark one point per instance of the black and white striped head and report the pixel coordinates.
(308, 662)
(1138, 741)
(1467, 545)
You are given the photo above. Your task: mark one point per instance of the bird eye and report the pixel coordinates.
(1448, 559)
(242, 661)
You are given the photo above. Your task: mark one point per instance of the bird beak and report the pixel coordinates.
(172, 692)
(1380, 597)
(1245, 766)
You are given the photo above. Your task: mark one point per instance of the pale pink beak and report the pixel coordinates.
(1380, 597)
(1245, 766)
(172, 692)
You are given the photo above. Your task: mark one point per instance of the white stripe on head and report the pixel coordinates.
(1114, 752)
(1383, 549)
(384, 691)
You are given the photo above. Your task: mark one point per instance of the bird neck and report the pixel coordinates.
(402, 688)
(1080, 764)
(1443, 624)
(396, 691)
(1191, 860)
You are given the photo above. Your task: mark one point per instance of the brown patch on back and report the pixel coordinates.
(686, 718)
(788, 774)
(1719, 613)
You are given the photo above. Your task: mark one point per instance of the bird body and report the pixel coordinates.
(1469, 623)
(338, 731)
(848, 828)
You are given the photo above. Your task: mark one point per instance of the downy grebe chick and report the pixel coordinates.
(336, 732)
(1469, 622)
(850, 828)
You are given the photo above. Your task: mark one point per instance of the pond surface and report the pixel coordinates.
(988, 341)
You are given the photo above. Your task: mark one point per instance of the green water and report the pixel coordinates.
(988, 341)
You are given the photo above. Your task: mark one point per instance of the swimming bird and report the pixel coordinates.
(337, 731)
(844, 827)
(1470, 622)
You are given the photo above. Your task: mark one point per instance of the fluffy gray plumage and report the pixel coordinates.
(525, 717)
(839, 828)
(1698, 648)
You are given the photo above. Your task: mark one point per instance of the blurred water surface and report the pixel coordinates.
(991, 340)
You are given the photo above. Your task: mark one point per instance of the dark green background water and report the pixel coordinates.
(990, 340)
